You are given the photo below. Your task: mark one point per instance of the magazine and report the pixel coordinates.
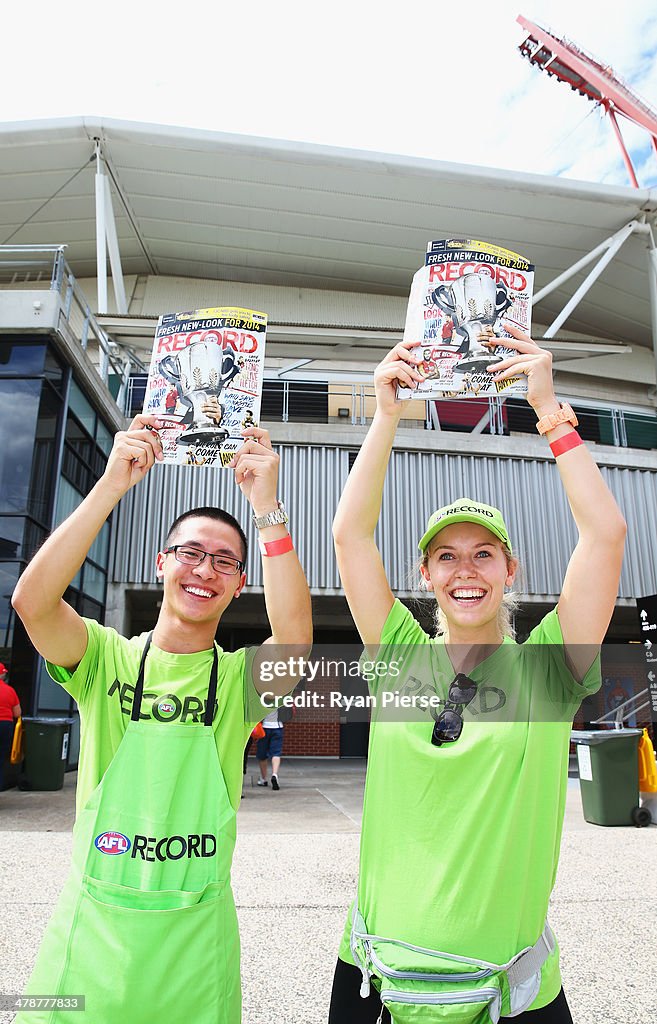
(205, 382)
(460, 296)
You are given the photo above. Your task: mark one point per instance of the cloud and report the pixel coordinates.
(443, 81)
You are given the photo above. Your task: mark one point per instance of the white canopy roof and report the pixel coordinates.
(205, 204)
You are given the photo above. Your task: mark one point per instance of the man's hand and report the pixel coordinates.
(134, 452)
(400, 366)
(533, 361)
(54, 627)
(256, 470)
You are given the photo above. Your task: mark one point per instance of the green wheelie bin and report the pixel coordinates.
(608, 763)
(46, 750)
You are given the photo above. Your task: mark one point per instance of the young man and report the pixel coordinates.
(146, 927)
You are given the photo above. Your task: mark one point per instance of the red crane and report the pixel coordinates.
(590, 78)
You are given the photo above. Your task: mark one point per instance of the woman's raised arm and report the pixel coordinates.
(361, 570)
(590, 586)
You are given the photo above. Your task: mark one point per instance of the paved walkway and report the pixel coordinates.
(294, 874)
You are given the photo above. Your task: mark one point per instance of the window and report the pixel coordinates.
(19, 401)
(303, 402)
(641, 431)
(44, 457)
(21, 358)
(78, 404)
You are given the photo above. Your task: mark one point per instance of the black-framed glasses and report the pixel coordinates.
(224, 564)
(448, 726)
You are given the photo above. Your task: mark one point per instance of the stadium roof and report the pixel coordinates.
(205, 204)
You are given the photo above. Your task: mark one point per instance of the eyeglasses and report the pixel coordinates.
(224, 564)
(449, 724)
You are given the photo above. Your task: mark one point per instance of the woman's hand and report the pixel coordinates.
(399, 367)
(532, 360)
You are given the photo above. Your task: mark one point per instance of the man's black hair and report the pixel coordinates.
(209, 512)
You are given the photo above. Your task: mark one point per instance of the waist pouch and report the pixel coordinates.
(420, 985)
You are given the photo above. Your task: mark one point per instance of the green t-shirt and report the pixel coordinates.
(175, 690)
(460, 843)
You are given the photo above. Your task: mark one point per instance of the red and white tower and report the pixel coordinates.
(590, 78)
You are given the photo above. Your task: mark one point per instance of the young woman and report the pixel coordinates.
(462, 817)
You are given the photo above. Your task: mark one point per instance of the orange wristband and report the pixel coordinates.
(565, 443)
(270, 548)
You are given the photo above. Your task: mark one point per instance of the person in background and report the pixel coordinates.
(10, 710)
(271, 746)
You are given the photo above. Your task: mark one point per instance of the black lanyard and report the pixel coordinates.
(212, 689)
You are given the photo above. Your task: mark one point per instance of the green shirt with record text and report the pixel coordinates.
(460, 843)
(175, 690)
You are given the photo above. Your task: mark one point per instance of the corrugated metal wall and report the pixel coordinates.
(529, 492)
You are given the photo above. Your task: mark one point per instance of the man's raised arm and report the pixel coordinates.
(287, 597)
(56, 629)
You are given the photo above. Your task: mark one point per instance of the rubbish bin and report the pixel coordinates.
(46, 747)
(608, 762)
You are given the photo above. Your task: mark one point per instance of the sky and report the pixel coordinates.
(442, 80)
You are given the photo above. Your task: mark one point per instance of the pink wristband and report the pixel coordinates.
(270, 548)
(565, 443)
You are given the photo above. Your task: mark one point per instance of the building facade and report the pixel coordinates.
(72, 373)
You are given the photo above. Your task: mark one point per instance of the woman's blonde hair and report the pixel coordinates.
(506, 611)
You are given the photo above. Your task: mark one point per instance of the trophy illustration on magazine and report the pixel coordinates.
(200, 373)
(459, 303)
(476, 304)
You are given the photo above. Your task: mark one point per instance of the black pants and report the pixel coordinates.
(6, 739)
(347, 1007)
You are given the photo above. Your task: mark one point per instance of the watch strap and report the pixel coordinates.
(553, 419)
(274, 518)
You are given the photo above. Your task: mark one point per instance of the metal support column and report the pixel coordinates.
(614, 245)
(623, 148)
(101, 235)
(576, 267)
(652, 291)
(107, 242)
(114, 253)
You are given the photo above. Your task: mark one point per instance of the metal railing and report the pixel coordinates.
(44, 267)
(328, 402)
(625, 711)
(37, 267)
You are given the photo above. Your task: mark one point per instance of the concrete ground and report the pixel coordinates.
(294, 875)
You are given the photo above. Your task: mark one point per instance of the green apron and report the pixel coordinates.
(146, 927)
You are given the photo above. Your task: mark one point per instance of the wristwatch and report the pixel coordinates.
(279, 515)
(553, 419)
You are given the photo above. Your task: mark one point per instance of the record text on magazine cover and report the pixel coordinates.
(205, 382)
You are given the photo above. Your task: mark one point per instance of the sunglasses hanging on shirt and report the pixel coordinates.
(448, 726)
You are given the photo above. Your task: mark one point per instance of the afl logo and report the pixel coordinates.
(165, 707)
(112, 843)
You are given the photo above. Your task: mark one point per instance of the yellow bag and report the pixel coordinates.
(647, 766)
(16, 755)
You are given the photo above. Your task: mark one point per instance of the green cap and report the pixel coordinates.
(465, 510)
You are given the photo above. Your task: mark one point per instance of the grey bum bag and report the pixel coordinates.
(422, 987)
